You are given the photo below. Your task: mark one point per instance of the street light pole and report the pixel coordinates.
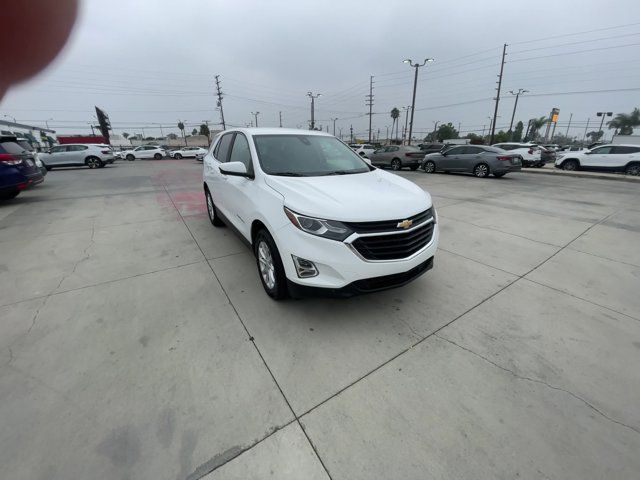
(603, 114)
(415, 85)
(406, 122)
(334, 126)
(515, 105)
(313, 97)
(255, 114)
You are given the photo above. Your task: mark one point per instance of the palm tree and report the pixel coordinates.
(181, 127)
(536, 125)
(625, 122)
(395, 114)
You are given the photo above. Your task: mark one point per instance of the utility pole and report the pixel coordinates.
(585, 130)
(219, 93)
(388, 133)
(435, 129)
(369, 103)
(406, 123)
(313, 97)
(515, 105)
(255, 114)
(340, 133)
(570, 117)
(483, 129)
(351, 129)
(415, 85)
(334, 126)
(527, 132)
(378, 135)
(280, 116)
(495, 111)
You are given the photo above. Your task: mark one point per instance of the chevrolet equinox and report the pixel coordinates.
(317, 216)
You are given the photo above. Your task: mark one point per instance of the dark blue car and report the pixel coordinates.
(18, 170)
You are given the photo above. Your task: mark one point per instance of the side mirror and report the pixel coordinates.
(234, 169)
(587, 152)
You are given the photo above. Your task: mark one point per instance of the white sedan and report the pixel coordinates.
(144, 151)
(188, 152)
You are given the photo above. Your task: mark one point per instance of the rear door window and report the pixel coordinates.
(623, 150)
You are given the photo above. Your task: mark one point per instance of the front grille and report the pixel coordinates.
(387, 225)
(390, 281)
(394, 246)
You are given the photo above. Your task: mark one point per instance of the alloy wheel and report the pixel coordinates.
(267, 268)
(481, 170)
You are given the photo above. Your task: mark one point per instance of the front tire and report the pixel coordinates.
(396, 164)
(270, 266)
(214, 218)
(429, 167)
(157, 156)
(570, 165)
(481, 170)
(131, 158)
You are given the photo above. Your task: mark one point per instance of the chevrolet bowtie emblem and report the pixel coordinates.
(405, 224)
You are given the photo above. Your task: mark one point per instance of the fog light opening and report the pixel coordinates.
(304, 268)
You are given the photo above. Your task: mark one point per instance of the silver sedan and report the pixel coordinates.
(477, 159)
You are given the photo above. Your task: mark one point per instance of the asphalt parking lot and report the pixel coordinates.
(136, 340)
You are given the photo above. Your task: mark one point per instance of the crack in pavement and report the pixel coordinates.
(541, 382)
(84, 257)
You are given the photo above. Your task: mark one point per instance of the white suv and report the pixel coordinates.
(187, 152)
(318, 218)
(608, 158)
(144, 151)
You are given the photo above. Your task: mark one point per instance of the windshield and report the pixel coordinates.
(306, 156)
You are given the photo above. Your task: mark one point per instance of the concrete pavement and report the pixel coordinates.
(136, 340)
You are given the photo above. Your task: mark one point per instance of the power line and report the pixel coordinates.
(575, 43)
(576, 33)
(573, 53)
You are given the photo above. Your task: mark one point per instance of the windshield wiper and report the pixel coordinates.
(287, 174)
(341, 172)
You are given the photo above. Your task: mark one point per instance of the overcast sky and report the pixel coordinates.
(148, 63)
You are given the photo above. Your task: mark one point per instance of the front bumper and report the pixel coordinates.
(339, 266)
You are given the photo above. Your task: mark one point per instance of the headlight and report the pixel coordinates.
(318, 226)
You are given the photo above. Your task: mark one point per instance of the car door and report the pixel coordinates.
(389, 154)
(449, 158)
(239, 189)
(621, 156)
(55, 157)
(76, 154)
(466, 159)
(218, 183)
(598, 158)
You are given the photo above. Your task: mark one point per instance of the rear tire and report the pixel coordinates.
(633, 169)
(157, 156)
(270, 268)
(570, 165)
(131, 158)
(214, 218)
(429, 167)
(396, 164)
(94, 162)
(481, 170)
(48, 168)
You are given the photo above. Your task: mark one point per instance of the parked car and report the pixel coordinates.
(144, 151)
(24, 143)
(93, 156)
(431, 147)
(318, 218)
(397, 157)
(532, 155)
(480, 160)
(18, 170)
(187, 152)
(365, 150)
(606, 158)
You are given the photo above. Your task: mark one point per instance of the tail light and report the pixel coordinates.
(504, 158)
(9, 159)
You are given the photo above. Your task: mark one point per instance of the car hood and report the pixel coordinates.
(376, 195)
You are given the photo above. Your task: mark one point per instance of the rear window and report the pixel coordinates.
(626, 150)
(11, 147)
